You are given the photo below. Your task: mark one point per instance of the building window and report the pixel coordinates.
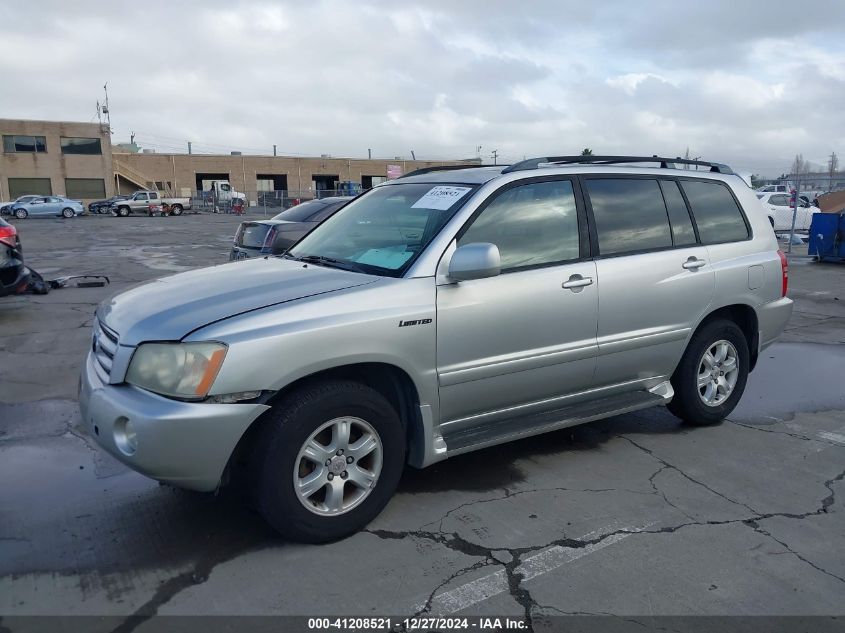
(85, 188)
(22, 143)
(81, 145)
(29, 186)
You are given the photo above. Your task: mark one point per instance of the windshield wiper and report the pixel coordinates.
(329, 262)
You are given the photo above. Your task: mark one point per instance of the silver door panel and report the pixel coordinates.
(514, 339)
(649, 304)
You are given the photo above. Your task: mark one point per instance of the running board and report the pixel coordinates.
(501, 431)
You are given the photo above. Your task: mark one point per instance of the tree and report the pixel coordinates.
(586, 152)
(799, 166)
(832, 168)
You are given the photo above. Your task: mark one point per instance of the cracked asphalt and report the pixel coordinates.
(636, 515)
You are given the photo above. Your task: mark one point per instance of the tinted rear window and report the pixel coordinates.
(630, 215)
(301, 212)
(717, 215)
(252, 235)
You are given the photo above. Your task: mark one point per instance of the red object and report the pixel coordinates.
(7, 235)
(784, 267)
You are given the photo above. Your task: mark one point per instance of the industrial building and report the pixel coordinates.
(78, 160)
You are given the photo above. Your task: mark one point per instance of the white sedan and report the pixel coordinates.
(779, 210)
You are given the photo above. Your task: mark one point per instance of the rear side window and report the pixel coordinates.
(629, 214)
(682, 231)
(779, 200)
(532, 225)
(717, 215)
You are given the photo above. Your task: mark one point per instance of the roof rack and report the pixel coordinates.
(665, 163)
(428, 170)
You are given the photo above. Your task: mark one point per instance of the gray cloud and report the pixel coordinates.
(747, 83)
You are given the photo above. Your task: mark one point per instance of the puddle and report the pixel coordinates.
(793, 378)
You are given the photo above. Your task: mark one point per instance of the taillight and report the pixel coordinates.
(269, 238)
(784, 267)
(8, 236)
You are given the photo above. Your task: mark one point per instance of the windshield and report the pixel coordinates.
(301, 212)
(385, 230)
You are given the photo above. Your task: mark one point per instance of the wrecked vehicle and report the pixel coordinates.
(14, 275)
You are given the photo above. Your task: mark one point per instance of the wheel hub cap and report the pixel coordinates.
(337, 465)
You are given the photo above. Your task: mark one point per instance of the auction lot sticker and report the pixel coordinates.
(440, 198)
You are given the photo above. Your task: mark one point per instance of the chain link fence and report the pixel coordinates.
(260, 203)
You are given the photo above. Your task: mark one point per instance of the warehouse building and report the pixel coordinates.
(78, 160)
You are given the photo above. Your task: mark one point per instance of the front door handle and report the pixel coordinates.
(694, 264)
(576, 282)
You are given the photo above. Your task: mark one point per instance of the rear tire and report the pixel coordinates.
(280, 463)
(67, 213)
(700, 378)
(176, 209)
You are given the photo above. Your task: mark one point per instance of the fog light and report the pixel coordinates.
(125, 437)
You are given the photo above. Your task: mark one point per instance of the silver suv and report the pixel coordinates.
(440, 313)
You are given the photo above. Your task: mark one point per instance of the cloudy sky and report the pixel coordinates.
(748, 83)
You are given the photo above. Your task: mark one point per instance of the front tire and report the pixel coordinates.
(712, 374)
(67, 213)
(327, 460)
(20, 214)
(123, 212)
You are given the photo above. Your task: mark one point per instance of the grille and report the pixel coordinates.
(104, 347)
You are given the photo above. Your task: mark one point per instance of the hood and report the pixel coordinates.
(170, 308)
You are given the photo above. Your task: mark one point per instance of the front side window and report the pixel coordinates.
(779, 201)
(532, 225)
(630, 215)
(81, 145)
(717, 215)
(385, 230)
(24, 143)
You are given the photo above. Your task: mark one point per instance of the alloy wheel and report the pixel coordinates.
(718, 371)
(338, 466)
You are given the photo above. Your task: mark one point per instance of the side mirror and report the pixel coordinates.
(475, 261)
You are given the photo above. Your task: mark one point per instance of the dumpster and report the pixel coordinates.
(827, 236)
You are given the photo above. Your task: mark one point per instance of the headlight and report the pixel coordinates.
(180, 370)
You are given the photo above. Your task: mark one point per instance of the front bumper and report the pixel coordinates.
(187, 444)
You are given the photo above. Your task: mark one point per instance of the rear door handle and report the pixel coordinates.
(577, 281)
(693, 264)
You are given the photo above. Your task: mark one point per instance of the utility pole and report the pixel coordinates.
(189, 147)
(370, 154)
(413, 157)
(274, 150)
(495, 156)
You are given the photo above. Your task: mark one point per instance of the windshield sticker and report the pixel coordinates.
(390, 258)
(441, 198)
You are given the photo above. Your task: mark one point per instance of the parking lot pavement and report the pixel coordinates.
(634, 515)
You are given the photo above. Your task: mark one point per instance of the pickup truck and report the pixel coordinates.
(140, 202)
